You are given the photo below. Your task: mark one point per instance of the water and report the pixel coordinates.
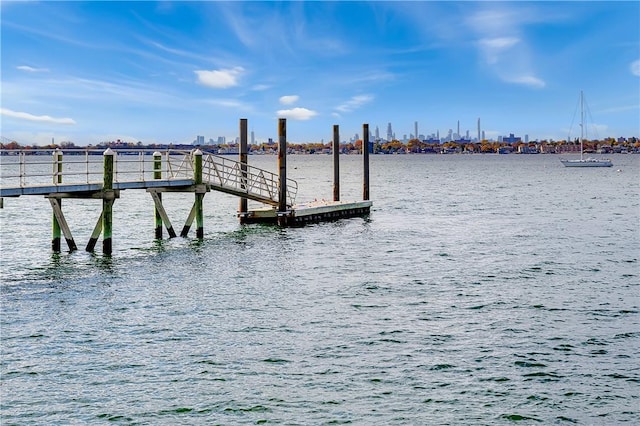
(480, 290)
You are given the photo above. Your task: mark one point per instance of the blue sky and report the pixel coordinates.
(168, 71)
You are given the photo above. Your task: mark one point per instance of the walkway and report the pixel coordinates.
(45, 172)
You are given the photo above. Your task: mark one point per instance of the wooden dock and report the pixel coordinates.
(79, 175)
(313, 212)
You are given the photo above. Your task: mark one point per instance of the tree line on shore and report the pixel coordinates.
(386, 147)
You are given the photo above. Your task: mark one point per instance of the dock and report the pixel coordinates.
(306, 213)
(79, 174)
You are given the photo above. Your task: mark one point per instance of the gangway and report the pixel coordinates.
(30, 172)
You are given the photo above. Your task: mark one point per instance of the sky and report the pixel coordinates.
(165, 72)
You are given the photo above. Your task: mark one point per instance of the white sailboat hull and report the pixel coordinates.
(588, 162)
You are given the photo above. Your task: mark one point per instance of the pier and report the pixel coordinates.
(104, 174)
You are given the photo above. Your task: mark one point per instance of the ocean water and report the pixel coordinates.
(481, 289)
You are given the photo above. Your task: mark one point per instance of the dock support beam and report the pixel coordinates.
(62, 224)
(160, 211)
(282, 167)
(200, 189)
(107, 203)
(336, 162)
(242, 206)
(157, 174)
(197, 176)
(57, 179)
(365, 156)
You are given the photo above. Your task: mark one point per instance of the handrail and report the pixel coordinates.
(85, 166)
(224, 173)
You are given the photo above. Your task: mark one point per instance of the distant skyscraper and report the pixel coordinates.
(458, 132)
(479, 130)
(415, 135)
(389, 132)
(253, 138)
(377, 133)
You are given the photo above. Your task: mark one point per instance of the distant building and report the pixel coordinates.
(511, 139)
(432, 141)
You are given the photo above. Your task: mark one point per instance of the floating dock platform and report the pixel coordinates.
(305, 213)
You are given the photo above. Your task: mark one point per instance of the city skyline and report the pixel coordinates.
(165, 72)
(374, 136)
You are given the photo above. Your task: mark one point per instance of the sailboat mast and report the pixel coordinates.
(581, 122)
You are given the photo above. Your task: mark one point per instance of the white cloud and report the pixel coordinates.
(27, 68)
(288, 100)
(36, 118)
(499, 42)
(494, 47)
(260, 87)
(527, 80)
(220, 79)
(635, 68)
(229, 104)
(297, 113)
(354, 103)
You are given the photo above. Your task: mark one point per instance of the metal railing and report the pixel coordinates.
(31, 168)
(226, 174)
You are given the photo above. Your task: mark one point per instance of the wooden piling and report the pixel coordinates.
(97, 230)
(57, 179)
(336, 162)
(197, 177)
(365, 156)
(157, 174)
(242, 206)
(282, 167)
(199, 190)
(107, 202)
(62, 223)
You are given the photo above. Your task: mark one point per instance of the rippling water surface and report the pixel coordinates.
(480, 290)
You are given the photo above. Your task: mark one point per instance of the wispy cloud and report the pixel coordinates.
(501, 43)
(229, 103)
(27, 68)
(492, 48)
(635, 68)
(288, 100)
(618, 109)
(354, 103)
(527, 80)
(297, 113)
(36, 118)
(220, 79)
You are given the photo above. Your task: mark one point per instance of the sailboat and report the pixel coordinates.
(585, 162)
